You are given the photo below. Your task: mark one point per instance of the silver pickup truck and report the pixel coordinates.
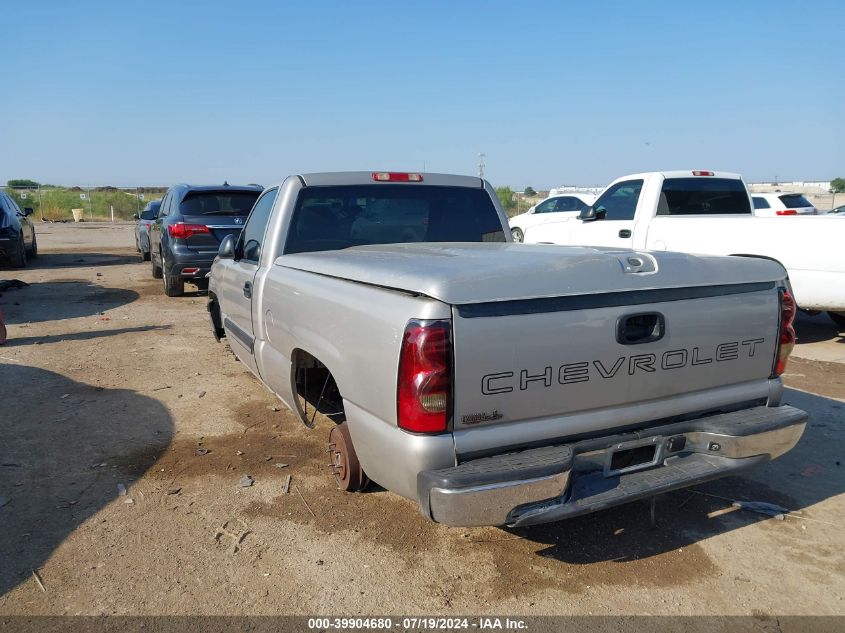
(498, 383)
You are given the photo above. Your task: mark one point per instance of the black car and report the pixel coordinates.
(17, 234)
(191, 223)
(142, 228)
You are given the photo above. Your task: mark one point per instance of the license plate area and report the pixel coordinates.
(634, 455)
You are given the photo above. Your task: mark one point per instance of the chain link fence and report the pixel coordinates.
(84, 204)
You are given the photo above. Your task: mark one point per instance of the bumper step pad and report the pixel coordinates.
(593, 492)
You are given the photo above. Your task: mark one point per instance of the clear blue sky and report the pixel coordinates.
(128, 93)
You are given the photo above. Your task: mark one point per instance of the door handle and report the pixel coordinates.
(625, 233)
(248, 290)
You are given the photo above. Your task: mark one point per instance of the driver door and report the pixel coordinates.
(614, 224)
(236, 292)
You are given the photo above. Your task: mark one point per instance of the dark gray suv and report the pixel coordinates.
(191, 223)
(17, 234)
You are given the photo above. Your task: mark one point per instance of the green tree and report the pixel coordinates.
(837, 185)
(22, 182)
(529, 191)
(506, 198)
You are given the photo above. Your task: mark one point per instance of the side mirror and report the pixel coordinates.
(227, 248)
(28, 211)
(136, 216)
(591, 214)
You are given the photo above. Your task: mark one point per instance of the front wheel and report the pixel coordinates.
(517, 235)
(838, 318)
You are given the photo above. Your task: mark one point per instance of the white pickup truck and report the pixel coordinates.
(499, 383)
(710, 213)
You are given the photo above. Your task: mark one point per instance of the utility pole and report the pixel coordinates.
(481, 158)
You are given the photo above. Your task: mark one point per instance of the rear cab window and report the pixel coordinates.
(703, 196)
(337, 217)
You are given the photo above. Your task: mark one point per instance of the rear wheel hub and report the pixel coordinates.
(344, 462)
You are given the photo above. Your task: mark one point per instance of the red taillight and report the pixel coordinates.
(786, 332)
(424, 392)
(180, 230)
(787, 212)
(703, 173)
(396, 176)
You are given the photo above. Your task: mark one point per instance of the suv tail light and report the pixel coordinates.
(424, 391)
(787, 212)
(786, 332)
(180, 230)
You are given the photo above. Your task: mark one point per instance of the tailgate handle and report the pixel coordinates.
(644, 327)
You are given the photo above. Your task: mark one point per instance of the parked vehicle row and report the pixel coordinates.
(17, 233)
(190, 224)
(551, 209)
(504, 383)
(710, 213)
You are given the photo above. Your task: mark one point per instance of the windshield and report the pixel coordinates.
(330, 218)
(794, 201)
(218, 202)
(703, 196)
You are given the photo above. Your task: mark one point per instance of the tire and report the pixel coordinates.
(156, 269)
(517, 235)
(174, 286)
(217, 330)
(32, 253)
(18, 258)
(838, 318)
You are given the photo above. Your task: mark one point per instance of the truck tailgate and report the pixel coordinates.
(546, 359)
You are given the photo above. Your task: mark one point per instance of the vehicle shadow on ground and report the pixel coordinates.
(65, 448)
(82, 336)
(811, 473)
(50, 301)
(813, 329)
(81, 259)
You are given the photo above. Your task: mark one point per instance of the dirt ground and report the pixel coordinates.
(106, 381)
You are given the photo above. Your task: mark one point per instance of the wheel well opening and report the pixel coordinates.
(315, 390)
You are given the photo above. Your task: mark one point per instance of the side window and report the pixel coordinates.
(619, 202)
(164, 209)
(13, 206)
(567, 203)
(252, 236)
(547, 206)
(761, 203)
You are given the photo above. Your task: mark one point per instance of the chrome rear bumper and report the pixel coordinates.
(556, 482)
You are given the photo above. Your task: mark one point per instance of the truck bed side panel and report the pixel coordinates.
(353, 329)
